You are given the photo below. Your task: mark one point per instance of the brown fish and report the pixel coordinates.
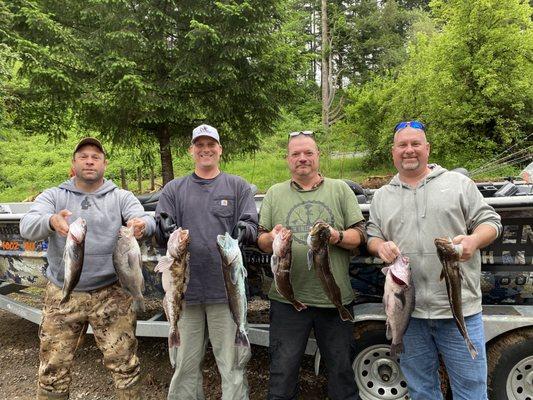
(449, 255)
(73, 256)
(318, 255)
(281, 266)
(175, 269)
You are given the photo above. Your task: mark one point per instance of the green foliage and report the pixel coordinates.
(471, 83)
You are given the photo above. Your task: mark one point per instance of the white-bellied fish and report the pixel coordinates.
(398, 301)
(234, 279)
(318, 256)
(73, 256)
(449, 255)
(127, 260)
(280, 264)
(175, 269)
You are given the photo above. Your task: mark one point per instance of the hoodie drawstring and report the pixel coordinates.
(425, 207)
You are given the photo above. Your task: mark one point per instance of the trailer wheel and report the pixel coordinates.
(377, 374)
(510, 367)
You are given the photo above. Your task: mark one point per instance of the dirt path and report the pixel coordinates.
(19, 360)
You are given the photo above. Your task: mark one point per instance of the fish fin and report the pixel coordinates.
(309, 259)
(471, 348)
(81, 338)
(244, 272)
(187, 278)
(274, 263)
(138, 305)
(385, 270)
(241, 338)
(442, 274)
(401, 296)
(345, 314)
(164, 263)
(242, 354)
(396, 349)
(166, 279)
(388, 332)
(299, 305)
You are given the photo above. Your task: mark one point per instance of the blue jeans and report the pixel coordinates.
(425, 339)
(289, 331)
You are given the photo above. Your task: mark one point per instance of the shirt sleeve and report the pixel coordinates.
(248, 214)
(265, 214)
(373, 226)
(478, 212)
(35, 224)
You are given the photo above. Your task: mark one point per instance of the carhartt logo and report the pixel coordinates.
(223, 202)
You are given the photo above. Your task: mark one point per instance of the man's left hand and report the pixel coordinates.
(469, 243)
(139, 226)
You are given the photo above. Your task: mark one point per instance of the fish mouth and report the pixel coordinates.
(318, 227)
(398, 281)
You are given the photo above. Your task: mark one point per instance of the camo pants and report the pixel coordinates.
(109, 312)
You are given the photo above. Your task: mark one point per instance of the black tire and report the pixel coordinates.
(510, 362)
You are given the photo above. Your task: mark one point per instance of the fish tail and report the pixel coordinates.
(345, 314)
(66, 297)
(138, 305)
(174, 338)
(471, 348)
(395, 349)
(299, 305)
(241, 339)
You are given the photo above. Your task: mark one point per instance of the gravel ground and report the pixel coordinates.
(19, 361)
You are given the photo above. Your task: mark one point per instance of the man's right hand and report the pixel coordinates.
(58, 222)
(275, 231)
(388, 251)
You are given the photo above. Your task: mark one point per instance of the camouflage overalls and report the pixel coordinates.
(109, 312)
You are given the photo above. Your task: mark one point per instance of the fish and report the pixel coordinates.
(174, 267)
(234, 276)
(398, 301)
(73, 256)
(127, 260)
(449, 255)
(318, 256)
(280, 264)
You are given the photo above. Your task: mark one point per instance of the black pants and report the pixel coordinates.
(289, 331)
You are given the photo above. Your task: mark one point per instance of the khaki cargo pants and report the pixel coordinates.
(109, 312)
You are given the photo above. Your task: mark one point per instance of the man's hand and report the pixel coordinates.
(265, 240)
(388, 251)
(275, 231)
(139, 227)
(58, 222)
(335, 235)
(469, 243)
(239, 231)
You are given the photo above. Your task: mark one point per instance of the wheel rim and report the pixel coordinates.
(378, 375)
(520, 380)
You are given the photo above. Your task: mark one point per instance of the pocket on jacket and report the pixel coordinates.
(223, 206)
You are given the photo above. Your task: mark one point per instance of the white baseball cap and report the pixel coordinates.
(205, 130)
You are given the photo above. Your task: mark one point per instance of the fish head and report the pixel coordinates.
(77, 230)
(401, 271)
(446, 250)
(228, 248)
(319, 234)
(178, 243)
(282, 242)
(125, 232)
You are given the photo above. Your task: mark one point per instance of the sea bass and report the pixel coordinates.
(449, 255)
(73, 256)
(398, 301)
(175, 269)
(127, 260)
(234, 275)
(318, 255)
(281, 266)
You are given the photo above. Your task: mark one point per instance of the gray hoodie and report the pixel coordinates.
(444, 204)
(105, 210)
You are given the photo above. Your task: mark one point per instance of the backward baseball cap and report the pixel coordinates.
(205, 130)
(89, 141)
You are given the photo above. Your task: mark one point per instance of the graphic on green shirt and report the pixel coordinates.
(303, 215)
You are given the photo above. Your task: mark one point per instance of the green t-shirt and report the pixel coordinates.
(333, 202)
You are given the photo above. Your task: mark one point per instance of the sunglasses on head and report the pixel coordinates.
(306, 133)
(412, 124)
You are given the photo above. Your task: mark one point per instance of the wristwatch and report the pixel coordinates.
(341, 236)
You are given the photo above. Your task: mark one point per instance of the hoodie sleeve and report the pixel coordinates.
(131, 207)
(35, 224)
(477, 211)
(373, 226)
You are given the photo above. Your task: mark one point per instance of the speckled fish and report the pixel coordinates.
(175, 269)
(398, 301)
(449, 255)
(318, 256)
(280, 264)
(234, 276)
(127, 260)
(73, 256)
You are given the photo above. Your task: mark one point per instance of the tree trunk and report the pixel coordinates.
(167, 170)
(325, 65)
